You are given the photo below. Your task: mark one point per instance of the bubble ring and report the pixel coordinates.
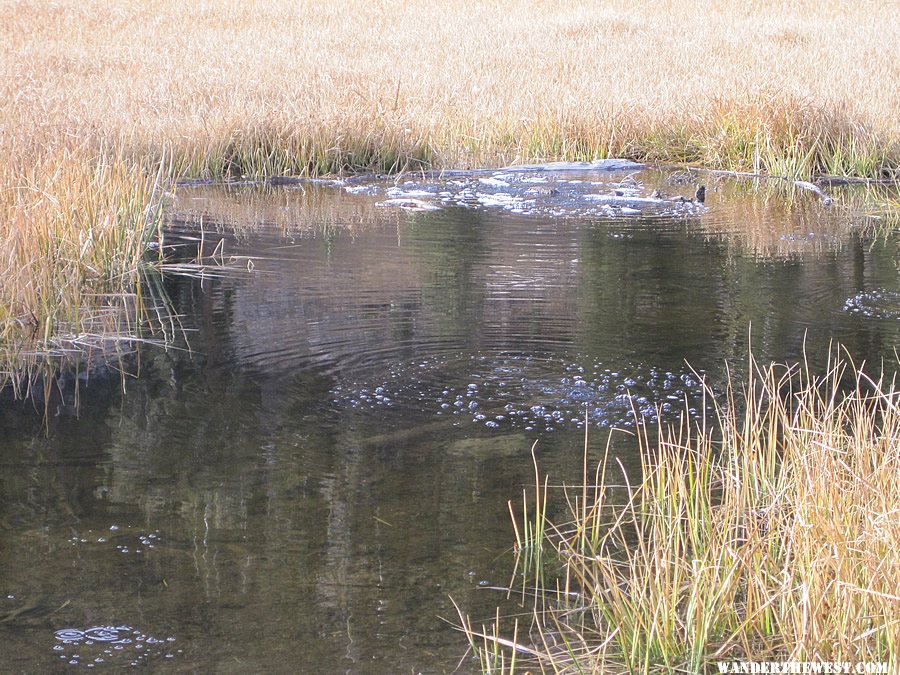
(69, 635)
(102, 633)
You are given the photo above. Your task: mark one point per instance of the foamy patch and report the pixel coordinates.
(396, 192)
(621, 210)
(500, 200)
(628, 192)
(618, 199)
(409, 204)
(493, 182)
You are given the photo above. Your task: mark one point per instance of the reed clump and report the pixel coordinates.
(73, 230)
(95, 99)
(771, 535)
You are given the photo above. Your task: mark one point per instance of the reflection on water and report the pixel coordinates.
(325, 457)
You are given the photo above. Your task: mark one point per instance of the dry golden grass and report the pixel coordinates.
(261, 88)
(312, 86)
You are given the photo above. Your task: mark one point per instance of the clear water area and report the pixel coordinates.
(325, 457)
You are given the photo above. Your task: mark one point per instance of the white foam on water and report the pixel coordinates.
(501, 200)
(400, 192)
(409, 204)
(494, 182)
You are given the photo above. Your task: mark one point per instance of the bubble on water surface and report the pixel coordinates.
(102, 644)
(517, 391)
(875, 304)
(102, 633)
(69, 634)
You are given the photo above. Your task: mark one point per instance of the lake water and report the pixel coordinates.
(322, 456)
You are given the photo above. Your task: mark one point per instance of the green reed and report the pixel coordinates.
(766, 533)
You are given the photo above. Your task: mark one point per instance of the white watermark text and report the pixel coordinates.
(803, 667)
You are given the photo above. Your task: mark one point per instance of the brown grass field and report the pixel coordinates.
(96, 96)
(310, 86)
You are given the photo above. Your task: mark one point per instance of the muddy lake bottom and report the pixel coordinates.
(322, 455)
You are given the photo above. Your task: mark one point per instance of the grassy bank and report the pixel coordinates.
(95, 97)
(770, 535)
(246, 87)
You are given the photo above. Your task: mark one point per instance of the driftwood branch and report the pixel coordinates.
(803, 185)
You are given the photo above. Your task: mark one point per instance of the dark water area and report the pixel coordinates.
(323, 455)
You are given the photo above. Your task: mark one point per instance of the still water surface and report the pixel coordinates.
(323, 458)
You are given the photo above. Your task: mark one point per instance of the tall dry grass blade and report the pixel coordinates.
(772, 536)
